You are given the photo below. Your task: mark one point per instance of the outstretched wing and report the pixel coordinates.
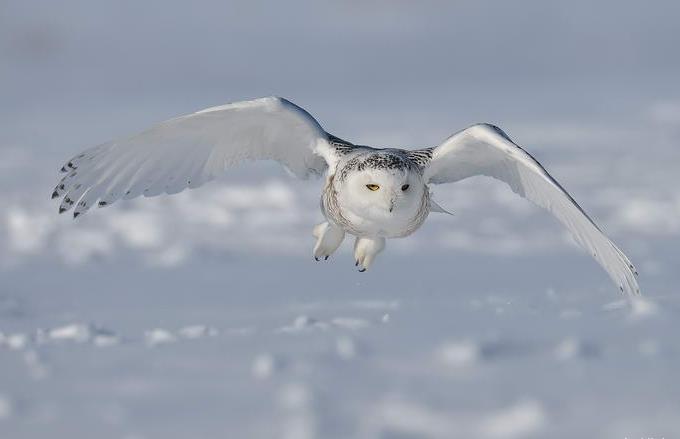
(486, 150)
(189, 150)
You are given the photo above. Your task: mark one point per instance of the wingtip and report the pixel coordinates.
(631, 292)
(69, 167)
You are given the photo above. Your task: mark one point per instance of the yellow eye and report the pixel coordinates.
(373, 187)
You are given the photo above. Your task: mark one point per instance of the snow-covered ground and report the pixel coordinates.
(203, 315)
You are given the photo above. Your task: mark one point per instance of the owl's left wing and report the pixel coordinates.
(187, 151)
(486, 150)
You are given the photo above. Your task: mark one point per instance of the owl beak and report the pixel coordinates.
(392, 201)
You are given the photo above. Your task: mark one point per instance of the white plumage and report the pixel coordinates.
(486, 150)
(371, 193)
(189, 150)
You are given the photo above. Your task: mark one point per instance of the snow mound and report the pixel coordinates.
(159, 336)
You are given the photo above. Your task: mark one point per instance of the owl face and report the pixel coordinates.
(389, 193)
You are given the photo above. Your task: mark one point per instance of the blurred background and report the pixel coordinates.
(204, 315)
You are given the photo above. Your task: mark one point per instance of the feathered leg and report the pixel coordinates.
(328, 239)
(365, 251)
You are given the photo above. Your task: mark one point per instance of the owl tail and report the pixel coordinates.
(434, 207)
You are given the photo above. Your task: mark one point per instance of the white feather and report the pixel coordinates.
(190, 150)
(486, 150)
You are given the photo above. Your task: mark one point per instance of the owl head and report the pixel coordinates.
(378, 185)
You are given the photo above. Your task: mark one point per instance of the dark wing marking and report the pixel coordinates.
(420, 157)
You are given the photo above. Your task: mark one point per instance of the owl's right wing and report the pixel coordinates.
(190, 150)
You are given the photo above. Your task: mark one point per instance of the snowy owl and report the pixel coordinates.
(370, 193)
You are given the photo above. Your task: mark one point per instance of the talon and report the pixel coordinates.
(356, 263)
(365, 250)
(328, 239)
(316, 259)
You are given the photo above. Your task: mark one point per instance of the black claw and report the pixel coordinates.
(55, 194)
(362, 270)
(356, 264)
(75, 215)
(316, 259)
(102, 203)
(62, 209)
(326, 258)
(63, 169)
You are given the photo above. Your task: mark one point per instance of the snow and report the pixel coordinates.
(520, 419)
(75, 332)
(572, 348)
(197, 331)
(263, 366)
(203, 315)
(351, 323)
(161, 343)
(346, 347)
(643, 308)
(159, 336)
(15, 341)
(459, 353)
(5, 407)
